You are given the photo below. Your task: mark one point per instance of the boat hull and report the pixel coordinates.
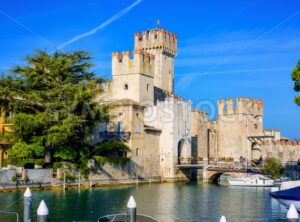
(251, 182)
(288, 197)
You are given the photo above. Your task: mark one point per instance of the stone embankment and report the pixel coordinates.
(107, 175)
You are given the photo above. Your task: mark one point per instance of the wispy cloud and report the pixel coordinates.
(26, 27)
(102, 25)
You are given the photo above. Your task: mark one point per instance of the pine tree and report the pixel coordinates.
(52, 105)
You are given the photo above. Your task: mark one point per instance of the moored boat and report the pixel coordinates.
(288, 193)
(256, 180)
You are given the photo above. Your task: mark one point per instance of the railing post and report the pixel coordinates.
(27, 205)
(131, 210)
(42, 212)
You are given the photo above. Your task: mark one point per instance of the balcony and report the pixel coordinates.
(115, 135)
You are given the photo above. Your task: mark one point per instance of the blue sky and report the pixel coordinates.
(226, 48)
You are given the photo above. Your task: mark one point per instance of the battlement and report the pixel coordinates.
(124, 63)
(281, 143)
(156, 39)
(241, 106)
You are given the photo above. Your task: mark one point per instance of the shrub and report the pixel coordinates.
(14, 179)
(272, 166)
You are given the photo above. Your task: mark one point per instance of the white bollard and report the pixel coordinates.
(223, 219)
(131, 209)
(27, 205)
(42, 212)
(292, 212)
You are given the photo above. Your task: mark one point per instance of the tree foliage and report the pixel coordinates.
(296, 79)
(272, 166)
(110, 146)
(53, 102)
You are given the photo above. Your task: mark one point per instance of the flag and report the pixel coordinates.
(158, 22)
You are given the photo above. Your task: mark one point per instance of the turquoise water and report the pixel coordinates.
(167, 202)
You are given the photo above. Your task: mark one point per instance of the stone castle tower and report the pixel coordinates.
(136, 75)
(237, 121)
(133, 78)
(163, 45)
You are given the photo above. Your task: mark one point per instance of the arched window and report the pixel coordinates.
(126, 86)
(148, 35)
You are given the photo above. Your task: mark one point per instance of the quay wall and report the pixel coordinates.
(105, 175)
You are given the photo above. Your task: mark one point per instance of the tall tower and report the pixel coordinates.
(162, 44)
(133, 77)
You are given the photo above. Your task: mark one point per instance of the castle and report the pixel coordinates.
(161, 128)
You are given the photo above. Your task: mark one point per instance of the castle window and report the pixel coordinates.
(255, 126)
(137, 151)
(148, 35)
(137, 127)
(148, 86)
(137, 114)
(126, 86)
(155, 36)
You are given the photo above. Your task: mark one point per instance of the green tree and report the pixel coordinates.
(53, 104)
(296, 79)
(272, 166)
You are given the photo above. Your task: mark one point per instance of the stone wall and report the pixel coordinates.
(39, 175)
(283, 150)
(6, 176)
(199, 134)
(34, 175)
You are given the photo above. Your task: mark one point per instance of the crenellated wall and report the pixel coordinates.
(156, 39)
(283, 150)
(133, 77)
(238, 119)
(142, 63)
(240, 106)
(162, 44)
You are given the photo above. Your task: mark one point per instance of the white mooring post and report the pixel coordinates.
(64, 180)
(27, 205)
(292, 213)
(79, 180)
(42, 212)
(223, 219)
(131, 210)
(90, 180)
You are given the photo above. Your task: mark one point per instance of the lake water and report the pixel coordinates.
(181, 202)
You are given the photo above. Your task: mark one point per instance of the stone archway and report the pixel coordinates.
(182, 151)
(255, 151)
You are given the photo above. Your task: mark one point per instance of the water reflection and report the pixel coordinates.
(190, 202)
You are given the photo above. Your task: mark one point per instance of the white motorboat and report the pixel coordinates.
(256, 180)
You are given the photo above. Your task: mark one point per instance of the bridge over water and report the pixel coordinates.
(212, 171)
